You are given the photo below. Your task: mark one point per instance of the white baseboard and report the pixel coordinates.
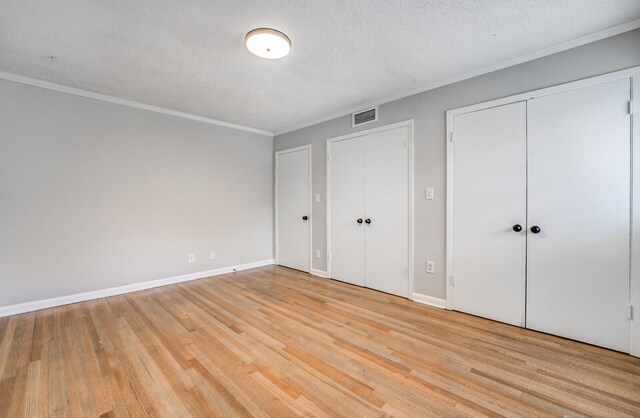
(429, 300)
(97, 294)
(318, 273)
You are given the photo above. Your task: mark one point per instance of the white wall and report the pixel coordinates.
(428, 109)
(95, 195)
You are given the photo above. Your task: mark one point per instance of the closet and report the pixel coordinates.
(539, 211)
(293, 208)
(368, 205)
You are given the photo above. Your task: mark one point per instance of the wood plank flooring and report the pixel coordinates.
(276, 342)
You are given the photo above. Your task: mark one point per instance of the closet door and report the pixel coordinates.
(387, 211)
(489, 213)
(294, 197)
(579, 201)
(347, 211)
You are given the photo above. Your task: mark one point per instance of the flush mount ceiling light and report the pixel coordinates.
(268, 43)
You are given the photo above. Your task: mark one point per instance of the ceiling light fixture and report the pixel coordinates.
(268, 43)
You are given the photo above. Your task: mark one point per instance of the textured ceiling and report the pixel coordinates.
(188, 55)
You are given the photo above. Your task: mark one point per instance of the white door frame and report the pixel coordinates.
(635, 214)
(277, 154)
(634, 278)
(408, 124)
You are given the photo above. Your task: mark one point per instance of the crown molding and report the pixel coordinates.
(607, 33)
(616, 30)
(124, 102)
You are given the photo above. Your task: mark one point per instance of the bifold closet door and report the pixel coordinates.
(347, 184)
(579, 201)
(294, 194)
(489, 213)
(387, 211)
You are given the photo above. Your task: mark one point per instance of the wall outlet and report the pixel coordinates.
(212, 255)
(317, 253)
(317, 197)
(429, 193)
(431, 267)
(191, 258)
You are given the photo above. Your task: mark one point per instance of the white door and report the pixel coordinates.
(347, 211)
(293, 208)
(387, 211)
(489, 203)
(579, 188)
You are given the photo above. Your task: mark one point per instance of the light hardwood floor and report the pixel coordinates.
(275, 342)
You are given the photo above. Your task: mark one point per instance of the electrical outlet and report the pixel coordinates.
(212, 255)
(192, 258)
(431, 267)
(317, 253)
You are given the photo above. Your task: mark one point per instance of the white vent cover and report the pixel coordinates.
(364, 116)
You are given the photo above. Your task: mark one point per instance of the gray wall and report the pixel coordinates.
(95, 195)
(428, 110)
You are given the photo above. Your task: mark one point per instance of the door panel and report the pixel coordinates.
(386, 205)
(293, 203)
(579, 191)
(347, 206)
(489, 198)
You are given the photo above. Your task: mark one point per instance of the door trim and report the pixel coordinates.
(409, 124)
(275, 200)
(634, 284)
(633, 74)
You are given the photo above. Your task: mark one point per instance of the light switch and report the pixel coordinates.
(317, 197)
(428, 193)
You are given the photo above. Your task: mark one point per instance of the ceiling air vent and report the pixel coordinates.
(364, 116)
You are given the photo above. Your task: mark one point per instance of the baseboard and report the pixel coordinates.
(318, 273)
(429, 300)
(97, 294)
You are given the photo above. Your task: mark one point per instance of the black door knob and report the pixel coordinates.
(305, 217)
(517, 227)
(535, 229)
(367, 221)
(359, 220)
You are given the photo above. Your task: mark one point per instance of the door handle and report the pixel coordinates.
(305, 217)
(535, 229)
(359, 220)
(517, 227)
(367, 221)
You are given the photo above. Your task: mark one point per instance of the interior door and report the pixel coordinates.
(294, 194)
(347, 211)
(579, 201)
(489, 213)
(387, 211)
